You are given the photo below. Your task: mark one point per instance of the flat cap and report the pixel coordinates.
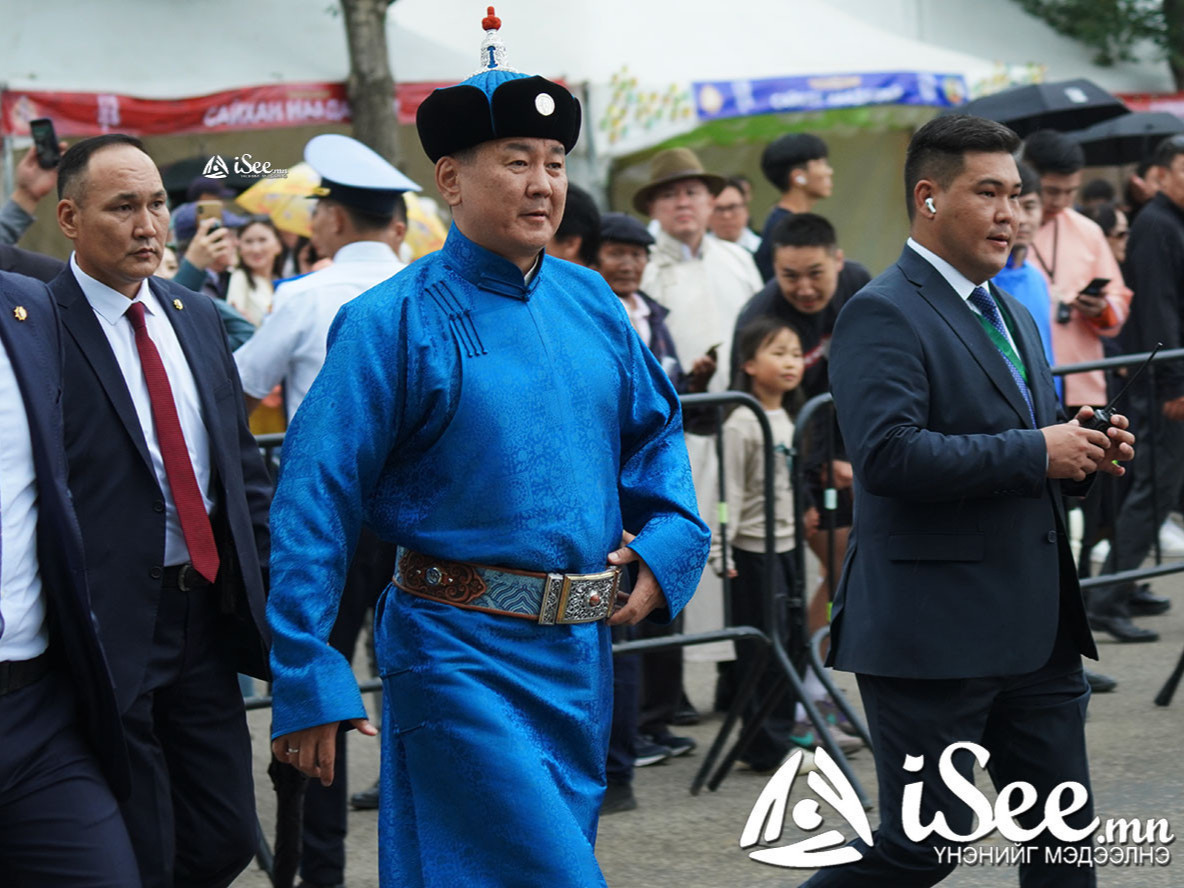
(624, 229)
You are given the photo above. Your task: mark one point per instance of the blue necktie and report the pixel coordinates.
(982, 300)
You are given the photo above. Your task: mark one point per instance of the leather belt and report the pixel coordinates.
(546, 598)
(17, 674)
(184, 577)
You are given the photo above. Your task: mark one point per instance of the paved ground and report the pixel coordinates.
(675, 840)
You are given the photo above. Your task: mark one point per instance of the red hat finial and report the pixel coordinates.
(491, 22)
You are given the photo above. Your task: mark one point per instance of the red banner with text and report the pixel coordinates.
(1173, 103)
(251, 108)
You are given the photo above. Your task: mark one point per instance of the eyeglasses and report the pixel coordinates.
(726, 209)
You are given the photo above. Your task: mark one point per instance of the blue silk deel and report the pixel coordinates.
(469, 415)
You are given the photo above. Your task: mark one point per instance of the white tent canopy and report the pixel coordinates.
(155, 49)
(673, 40)
(635, 60)
(163, 50)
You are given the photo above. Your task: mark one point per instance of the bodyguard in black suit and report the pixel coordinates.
(172, 498)
(959, 607)
(28, 263)
(62, 752)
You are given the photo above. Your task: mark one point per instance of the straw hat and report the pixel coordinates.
(674, 165)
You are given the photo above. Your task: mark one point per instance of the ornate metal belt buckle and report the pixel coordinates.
(588, 598)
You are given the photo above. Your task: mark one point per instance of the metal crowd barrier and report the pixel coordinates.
(1164, 697)
(716, 762)
(791, 663)
(793, 658)
(774, 641)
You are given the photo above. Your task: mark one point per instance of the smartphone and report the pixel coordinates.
(45, 141)
(1095, 287)
(210, 209)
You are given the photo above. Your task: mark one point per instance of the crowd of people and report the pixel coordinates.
(150, 478)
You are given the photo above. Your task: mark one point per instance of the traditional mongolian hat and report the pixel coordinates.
(497, 102)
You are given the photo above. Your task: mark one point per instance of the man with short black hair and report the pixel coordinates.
(1096, 191)
(1072, 252)
(959, 608)
(578, 236)
(796, 165)
(812, 281)
(1155, 264)
(172, 498)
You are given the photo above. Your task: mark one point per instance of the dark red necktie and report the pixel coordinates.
(191, 510)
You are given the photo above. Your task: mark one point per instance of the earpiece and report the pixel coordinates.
(929, 205)
(801, 180)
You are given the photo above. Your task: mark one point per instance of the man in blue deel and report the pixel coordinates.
(491, 411)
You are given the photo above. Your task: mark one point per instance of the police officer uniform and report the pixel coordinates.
(290, 347)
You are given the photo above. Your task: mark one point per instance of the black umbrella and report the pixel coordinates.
(1066, 105)
(1127, 139)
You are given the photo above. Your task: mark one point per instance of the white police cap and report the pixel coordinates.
(355, 175)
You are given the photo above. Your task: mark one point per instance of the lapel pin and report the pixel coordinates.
(178, 305)
(19, 313)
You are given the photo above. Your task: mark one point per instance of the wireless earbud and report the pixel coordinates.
(801, 180)
(929, 205)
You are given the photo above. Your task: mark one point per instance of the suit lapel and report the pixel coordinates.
(936, 291)
(80, 323)
(31, 363)
(199, 361)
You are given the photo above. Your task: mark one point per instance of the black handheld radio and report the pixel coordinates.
(1100, 421)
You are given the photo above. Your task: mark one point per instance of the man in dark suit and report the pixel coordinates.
(172, 498)
(958, 607)
(62, 752)
(28, 263)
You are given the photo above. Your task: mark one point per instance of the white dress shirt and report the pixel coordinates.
(291, 345)
(21, 603)
(639, 316)
(961, 284)
(110, 307)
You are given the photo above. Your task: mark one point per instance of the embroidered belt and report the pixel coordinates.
(547, 598)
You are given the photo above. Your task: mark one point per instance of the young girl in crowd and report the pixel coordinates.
(770, 368)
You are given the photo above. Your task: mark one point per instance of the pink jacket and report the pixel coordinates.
(1081, 254)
